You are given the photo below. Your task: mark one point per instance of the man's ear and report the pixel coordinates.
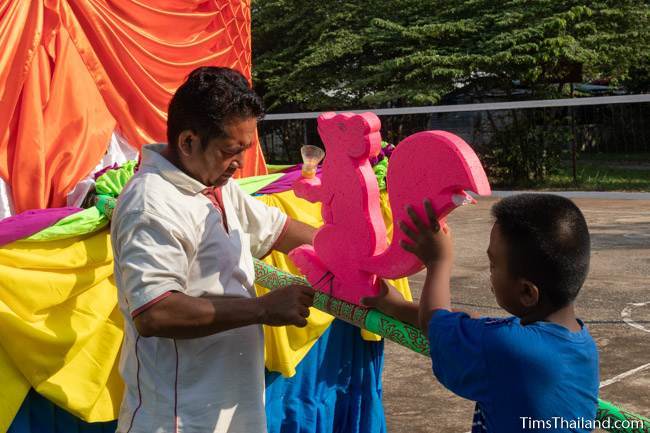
(187, 139)
(528, 293)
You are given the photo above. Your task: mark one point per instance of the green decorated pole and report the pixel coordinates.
(372, 320)
(610, 417)
(614, 419)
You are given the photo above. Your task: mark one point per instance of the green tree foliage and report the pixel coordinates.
(379, 53)
(338, 54)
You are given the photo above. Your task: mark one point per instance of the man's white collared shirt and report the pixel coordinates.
(167, 236)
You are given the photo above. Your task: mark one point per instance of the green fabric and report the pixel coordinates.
(113, 181)
(275, 168)
(80, 223)
(106, 205)
(252, 184)
(108, 186)
(381, 169)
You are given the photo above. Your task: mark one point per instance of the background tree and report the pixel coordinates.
(339, 55)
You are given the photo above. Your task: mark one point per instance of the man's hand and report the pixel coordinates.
(431, 244)
(288, 305)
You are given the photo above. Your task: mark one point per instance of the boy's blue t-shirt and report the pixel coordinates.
(535, 378)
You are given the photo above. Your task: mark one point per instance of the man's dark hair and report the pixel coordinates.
(547, 242)
(209, 99)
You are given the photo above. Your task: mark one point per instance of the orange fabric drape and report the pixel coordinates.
(73, 70)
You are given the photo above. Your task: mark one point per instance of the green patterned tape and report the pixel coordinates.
(616, 420)
(372, 320)
(609, 417)
(400, 332)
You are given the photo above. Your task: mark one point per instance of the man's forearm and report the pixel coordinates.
(182, 316)
(435, 292)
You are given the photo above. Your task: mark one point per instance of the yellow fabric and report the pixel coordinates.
(286, 346)
(61, 328)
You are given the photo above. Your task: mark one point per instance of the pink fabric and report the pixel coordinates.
(32, 221)
(286, 182)
(105, 169)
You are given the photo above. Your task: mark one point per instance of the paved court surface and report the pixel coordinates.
(615, 303)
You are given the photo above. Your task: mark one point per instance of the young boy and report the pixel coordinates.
(535, 371)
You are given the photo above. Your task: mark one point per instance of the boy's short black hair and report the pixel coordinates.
(548, 243)
(209, 98)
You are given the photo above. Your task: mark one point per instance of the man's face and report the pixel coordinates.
(215, 164)
(505, 287)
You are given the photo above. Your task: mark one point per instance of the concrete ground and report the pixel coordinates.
(615, 304)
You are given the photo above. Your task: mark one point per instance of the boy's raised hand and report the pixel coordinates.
(430, 244)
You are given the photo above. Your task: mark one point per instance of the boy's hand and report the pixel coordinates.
(391, 302)
(430, 243)
(388, 297)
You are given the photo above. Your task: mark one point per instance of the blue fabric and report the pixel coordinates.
(39, 415)
(535, 378)
(337, 387)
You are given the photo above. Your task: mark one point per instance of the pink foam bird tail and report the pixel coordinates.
(436, 165)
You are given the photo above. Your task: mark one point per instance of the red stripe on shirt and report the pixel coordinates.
(176, 391)
(150, 303)
(279, 238)
(137, 375)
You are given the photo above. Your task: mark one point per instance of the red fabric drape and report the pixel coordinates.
(73, 70)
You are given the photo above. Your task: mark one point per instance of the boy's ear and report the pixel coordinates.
(528, 294)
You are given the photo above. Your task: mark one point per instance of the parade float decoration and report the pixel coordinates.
(74, 75)
(350, 252)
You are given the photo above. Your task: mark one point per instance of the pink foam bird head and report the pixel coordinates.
(355, 135)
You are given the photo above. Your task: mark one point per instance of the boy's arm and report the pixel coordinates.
(433, 246)
(391, 302)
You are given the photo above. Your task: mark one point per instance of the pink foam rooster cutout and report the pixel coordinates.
(349, 252)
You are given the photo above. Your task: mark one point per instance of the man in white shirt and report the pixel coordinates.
(184, 236)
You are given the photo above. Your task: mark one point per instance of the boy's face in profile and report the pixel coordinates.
(510, 293)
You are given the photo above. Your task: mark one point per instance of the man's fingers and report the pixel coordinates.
(304, 313)
(300, 323)
(307, 301)
(408, 231)
(383, 287)
(369, 301)
(308, 291)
